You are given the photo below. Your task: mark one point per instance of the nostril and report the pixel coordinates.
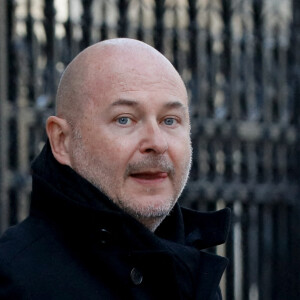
(158, 150)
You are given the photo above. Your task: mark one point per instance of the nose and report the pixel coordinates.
(153, 139)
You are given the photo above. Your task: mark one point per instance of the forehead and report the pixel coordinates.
(142, 82)
(112, 73)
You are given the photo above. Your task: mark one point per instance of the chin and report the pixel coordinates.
(150, 207)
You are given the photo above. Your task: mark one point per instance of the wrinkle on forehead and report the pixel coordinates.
(118, 63)
(135, 82)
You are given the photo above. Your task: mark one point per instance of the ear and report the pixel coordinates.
(59, 134)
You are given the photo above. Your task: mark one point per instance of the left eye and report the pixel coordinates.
(123, 120)
(169, 121)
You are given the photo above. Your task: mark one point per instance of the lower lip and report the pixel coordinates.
(159, 179)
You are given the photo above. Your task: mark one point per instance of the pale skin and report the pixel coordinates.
(122, 123)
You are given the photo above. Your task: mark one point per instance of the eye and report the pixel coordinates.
(123, 120)
(170, 121)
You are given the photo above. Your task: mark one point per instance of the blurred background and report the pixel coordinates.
(240, 60)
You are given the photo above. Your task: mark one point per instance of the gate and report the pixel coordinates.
(240, 60)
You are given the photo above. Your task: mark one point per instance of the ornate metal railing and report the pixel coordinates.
(240, 61)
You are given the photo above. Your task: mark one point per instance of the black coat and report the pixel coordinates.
(76, 244)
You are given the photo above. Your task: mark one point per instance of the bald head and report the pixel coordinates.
(123, 124)
(101, 65)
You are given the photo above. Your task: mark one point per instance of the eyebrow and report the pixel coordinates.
(129, 102)
(124, 102)
(175, 104)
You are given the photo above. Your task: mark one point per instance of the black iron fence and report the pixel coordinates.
(240, 60)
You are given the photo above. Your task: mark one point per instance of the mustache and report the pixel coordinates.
(150, 162)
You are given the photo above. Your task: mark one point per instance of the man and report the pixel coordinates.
(104, 223)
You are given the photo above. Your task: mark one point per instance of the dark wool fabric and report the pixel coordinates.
(76, 244)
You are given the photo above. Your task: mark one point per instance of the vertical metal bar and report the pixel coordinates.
(235, 58)
(294, 66)
(201, 163)
(87, 22)
(123, 19)
(265, 253)
(159, 29)
(28, 75)
(12, 119)
(258, 30)
(200, 83)
(49, 25)
(104, 27)
(253, 251)
(13, 71)
(225, 55)
(230, 254)
(267, 64)
(211, 162)
(30, 54)
(216, 101)
(295, 85)
(3, 121)
(140, 31)
(283, 251)
(246, 257)
(69, 36)
(194, 61)
(277, 240)
(175, 40)
(248, 65)
(293, 254)
(238, 254)
(282, 85)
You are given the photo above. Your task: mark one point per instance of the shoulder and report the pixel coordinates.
(17, 239)
(17, 257)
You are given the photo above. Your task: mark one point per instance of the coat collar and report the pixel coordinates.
(81, 215)
(59, 191)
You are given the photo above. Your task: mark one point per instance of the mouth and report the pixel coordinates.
(149, 176)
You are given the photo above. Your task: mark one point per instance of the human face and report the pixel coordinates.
(133, 141)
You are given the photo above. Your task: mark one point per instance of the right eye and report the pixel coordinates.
(123, 120)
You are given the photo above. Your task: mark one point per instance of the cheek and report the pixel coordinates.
(180, 150)
(115, 151)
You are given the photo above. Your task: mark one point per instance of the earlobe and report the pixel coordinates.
(59, 134)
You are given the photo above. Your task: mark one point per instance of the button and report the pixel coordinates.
(104, 236)
(136, 276)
